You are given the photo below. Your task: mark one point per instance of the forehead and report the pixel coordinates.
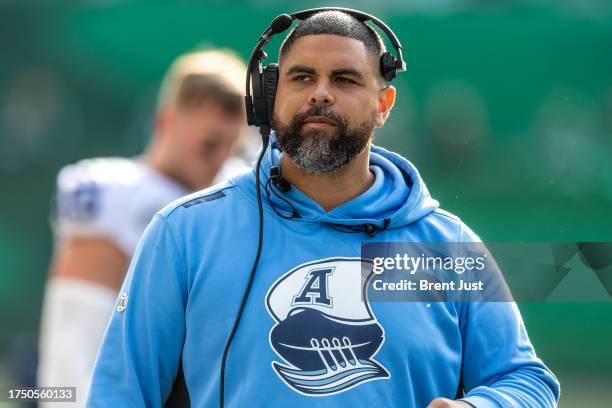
(325, 52)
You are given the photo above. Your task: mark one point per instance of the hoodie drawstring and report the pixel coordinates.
(370, 229)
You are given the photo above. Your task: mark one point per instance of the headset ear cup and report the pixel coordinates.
(387, 66)
(270, 81)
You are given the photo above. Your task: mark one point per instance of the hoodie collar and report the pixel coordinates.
(397, 197)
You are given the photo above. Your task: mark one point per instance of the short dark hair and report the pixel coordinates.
(335, 23)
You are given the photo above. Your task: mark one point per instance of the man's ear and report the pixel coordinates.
(162, 120)
(385, 103)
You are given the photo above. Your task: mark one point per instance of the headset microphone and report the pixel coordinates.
(278, 180)
(281, 23)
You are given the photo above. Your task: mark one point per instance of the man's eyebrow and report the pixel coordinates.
(301, 69)
(347, 71)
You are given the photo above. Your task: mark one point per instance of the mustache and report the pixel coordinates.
(320, 111)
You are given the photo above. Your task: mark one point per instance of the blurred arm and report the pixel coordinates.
(86, 273)
(96, 260)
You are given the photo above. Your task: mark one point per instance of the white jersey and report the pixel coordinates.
(113, 198)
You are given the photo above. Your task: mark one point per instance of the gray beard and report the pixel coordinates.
(316, 152)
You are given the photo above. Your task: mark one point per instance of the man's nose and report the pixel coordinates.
(321, 95)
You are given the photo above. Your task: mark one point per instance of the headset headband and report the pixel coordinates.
(361, 16)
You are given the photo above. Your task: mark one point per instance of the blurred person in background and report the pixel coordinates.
(104, 205)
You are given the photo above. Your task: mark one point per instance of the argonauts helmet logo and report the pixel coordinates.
(325, 333)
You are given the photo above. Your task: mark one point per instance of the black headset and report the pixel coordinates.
(260, 109)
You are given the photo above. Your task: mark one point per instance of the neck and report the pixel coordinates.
(332, 189)
(157, 157)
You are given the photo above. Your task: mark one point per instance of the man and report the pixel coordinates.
(104, 205)
(306, 338)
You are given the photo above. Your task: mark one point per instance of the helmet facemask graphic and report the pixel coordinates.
(325, 333)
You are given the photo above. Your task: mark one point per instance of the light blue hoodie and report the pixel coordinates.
(306, 338)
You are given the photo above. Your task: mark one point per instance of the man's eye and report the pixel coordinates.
(343, 80)
(302, 78)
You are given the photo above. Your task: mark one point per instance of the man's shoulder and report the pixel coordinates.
(456, 226)
(90, 187)
(101, 171)
(442, 225)
(209, 202)
(439, 212)
(129, 179)
(208, 195)
(113, 197)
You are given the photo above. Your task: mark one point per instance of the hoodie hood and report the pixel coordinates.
(397, 197)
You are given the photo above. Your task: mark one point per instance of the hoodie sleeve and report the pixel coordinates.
(139, 357)
(500, 367)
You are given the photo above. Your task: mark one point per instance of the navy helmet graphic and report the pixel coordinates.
(325, 331)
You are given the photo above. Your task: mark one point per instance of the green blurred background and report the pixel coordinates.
(506, 109)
